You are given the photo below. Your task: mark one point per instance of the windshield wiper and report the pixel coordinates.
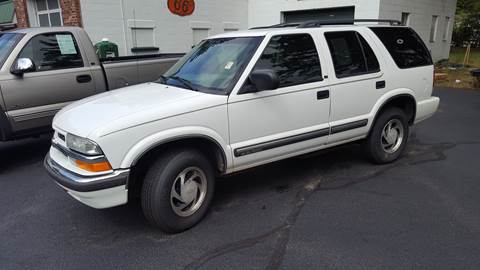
(183, 81)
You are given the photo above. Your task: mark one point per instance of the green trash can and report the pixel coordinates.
(106, 49)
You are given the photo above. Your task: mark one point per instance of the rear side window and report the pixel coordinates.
(293, 57)
(351, 54)
(53, 51)
(405, 46)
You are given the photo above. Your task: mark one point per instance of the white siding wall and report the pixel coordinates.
(114, 19)
(421, 12)
(268, 12)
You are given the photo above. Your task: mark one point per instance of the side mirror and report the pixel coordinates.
(22, 65)
(264, 79)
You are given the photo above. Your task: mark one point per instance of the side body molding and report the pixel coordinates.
(166, 136)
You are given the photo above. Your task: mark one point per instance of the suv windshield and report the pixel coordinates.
(7, 43)
(214, 65)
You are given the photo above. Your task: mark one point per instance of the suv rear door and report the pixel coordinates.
(357, 82)
(268, 125)
(62, 75)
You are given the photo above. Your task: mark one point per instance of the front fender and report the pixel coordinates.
(169, 135)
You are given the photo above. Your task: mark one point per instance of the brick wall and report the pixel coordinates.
(71, 12)
(21, 12)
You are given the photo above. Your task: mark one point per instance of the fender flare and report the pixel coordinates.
(386, 98)
(167, 136)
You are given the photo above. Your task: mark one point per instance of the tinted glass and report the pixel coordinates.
(405, 46)
(214, 65)
(293, 57)
(53, 51)
(370, 58)
(7, 43)
(347, 54)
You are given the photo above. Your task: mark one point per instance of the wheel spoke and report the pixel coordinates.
(177, 196)
(193, 176)
(188, 191)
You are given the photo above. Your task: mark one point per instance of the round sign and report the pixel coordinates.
(181, 7)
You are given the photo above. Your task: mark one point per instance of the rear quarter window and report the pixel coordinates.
(405, 46)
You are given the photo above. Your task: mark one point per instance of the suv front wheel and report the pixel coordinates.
(178, 190)
(388, 137)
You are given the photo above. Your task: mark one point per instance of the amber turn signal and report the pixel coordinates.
(94, 167)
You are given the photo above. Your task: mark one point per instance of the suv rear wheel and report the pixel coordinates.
(388, 137)
(177, 190)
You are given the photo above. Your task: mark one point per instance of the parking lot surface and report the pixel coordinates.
(328, 210)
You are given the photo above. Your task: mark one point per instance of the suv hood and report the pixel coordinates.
(131, 106)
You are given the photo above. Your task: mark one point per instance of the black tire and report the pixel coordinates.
(157, 188)
(373, 145)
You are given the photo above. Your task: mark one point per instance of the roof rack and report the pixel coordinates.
(319, 23)
(281, 25)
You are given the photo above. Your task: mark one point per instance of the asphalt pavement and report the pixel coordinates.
(328, 210)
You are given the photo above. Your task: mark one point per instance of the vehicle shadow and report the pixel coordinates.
(24, 152)
(284, 176)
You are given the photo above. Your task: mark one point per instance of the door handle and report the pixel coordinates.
(84, 78)
(323, 94)
(380, 84)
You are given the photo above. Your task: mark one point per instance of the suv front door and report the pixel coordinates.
(270, 125)
(61, 75)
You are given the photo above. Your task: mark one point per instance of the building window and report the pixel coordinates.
(405, 18)
(433, 29)
(199, 34)
(49, 13)
(447, 27)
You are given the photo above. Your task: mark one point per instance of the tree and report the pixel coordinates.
(467, 23)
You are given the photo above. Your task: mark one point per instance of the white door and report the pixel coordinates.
(271, 125)
(357, 85)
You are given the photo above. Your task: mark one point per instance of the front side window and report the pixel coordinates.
(293, 57)
(351, 54)
(214, 65)
(53, 51)
(49, 13)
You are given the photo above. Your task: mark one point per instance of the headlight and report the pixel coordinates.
(83, 145)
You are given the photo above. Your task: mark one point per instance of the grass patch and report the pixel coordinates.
(462, 74)
(458, 54)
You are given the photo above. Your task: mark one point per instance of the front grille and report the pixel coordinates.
(61, 136)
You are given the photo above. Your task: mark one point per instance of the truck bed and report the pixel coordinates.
(130, 70)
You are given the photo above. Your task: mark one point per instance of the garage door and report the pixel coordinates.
(343, 13)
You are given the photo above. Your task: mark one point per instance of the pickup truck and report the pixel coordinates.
(239, 100)
(44, 69)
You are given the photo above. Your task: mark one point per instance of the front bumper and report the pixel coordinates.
(98, 192)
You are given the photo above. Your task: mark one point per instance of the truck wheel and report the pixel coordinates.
(388, 137)
(177, 190)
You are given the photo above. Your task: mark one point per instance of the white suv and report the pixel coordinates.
(240, 100)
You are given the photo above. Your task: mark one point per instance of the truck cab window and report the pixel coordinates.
(351, 54)
(53, 51)
(293, 57)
